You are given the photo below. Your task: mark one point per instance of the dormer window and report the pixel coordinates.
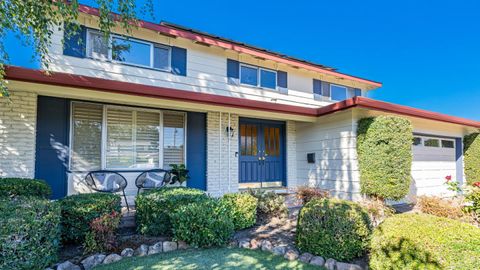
(258, 77)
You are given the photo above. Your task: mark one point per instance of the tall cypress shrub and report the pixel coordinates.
(384, 147)
(471, 157)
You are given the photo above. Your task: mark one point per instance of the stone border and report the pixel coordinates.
(291, 254)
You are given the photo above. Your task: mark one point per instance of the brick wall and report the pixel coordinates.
(17, 134)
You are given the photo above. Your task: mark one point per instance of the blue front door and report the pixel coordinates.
(262, 151)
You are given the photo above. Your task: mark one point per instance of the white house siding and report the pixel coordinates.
(291, 133)
(333, 140)
(17, 134)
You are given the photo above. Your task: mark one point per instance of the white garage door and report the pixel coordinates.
(433, 159)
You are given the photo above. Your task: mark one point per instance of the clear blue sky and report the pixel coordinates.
(426, 53)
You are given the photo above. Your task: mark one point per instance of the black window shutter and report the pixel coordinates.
(75, 41)
(233, 71)
(357, 92)
(326, 89)
(282, 80)
(317, 87)
(179, 61)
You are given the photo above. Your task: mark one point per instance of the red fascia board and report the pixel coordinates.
(367, 103)
(77, 81)
(232, 46)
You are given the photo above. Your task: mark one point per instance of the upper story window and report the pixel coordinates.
(259, 77)
(338, 92)
(129, 51)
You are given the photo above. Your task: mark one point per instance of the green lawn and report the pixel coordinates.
(218, 258)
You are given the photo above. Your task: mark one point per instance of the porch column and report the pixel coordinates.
(291, 154)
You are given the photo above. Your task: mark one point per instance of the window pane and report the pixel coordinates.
(147, 139)
(130, 51)
(160, 58)
(87, 134)
(98, 46)
(119, 139)
(268, 79)
(432, 143)
(338, 92)
(248, 75)
(417, 141)
(447, 144)
(173, 138)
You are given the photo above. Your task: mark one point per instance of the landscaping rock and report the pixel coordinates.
(255, 244)
(245, 243)
(156, 248)
(141, 251)
(169, 246)
(306, 257)
(68, 266)
(291, 255)
(233, 243)
(317, 260)
(347, 266)
(330, 264)
(279, 250)
(112, 258)
(93, 261)
(128, 252)
(267, 245)
(182, 245)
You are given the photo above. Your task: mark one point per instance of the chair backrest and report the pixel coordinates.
(155, 178)
(106, 181)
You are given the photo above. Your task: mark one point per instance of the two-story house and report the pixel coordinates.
(238, 116)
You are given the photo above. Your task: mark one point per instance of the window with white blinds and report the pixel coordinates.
(126, 138)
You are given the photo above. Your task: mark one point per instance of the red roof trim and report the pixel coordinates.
(367, 103)
(232, 46)
(82, 82)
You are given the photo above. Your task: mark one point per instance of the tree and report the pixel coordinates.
(33, 22)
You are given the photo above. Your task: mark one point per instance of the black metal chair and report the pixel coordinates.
(107, 182)
(152, 179)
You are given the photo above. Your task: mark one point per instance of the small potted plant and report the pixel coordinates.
(179, 172)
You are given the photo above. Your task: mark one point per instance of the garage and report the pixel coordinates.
(434, 158)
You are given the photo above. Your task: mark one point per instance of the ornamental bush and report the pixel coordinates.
(10, 187)
(154, 208)
(270, 204)
(204, 223)
(102, 236)
(29, 233)
(333, 228)
(78, 212)
(384, 147)
(421, 241)
(242, 208)
(471, 157)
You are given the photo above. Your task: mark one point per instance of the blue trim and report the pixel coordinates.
(282, 79)
(459, 159)
(75, 44)
(179, 61)
(197, 150)
(317, 87)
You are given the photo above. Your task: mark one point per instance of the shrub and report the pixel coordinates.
(242, 209)
(333, 228)
(377, 210)
(10, 187)
(440, 207)
(29, 233)
(270, 204)
(471, 157)
(102, 235)
(305, 194)
(420, 241)
(473, 204)
(78, 212)
(154, 208)
(384, 147)
(203, 223)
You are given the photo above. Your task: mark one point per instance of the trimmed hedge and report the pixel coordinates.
(154, 208)
(421, 241)
(29, 233)
(471, 157)
(10, 187)
(333, 228)
(242, 209)
(384, 147)
(78, 211)
(270, 205)
(204, 223)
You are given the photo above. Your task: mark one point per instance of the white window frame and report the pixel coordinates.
(439, 139)
(110, 57)
(259, 78)
(104, 135)
(336, 85)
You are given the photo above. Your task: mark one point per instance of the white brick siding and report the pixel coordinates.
(218, 154)
(291, 154)
(17, 134)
